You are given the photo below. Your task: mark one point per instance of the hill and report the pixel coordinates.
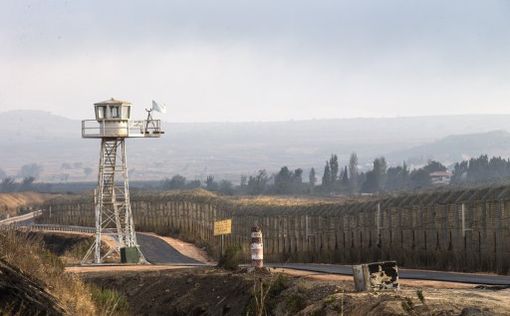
(227, 149)
(457, 147)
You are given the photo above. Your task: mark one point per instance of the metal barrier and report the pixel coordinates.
(64, 228)
(20, 218)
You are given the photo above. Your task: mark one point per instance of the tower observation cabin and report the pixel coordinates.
(112, 205)
(113, 119)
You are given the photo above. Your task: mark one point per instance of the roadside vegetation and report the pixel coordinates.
(231, 259)
(333, 178)
(59, 292)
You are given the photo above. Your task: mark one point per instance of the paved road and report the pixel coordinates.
(473, 278)
(157, 251)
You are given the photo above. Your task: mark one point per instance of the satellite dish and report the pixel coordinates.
(158, 107)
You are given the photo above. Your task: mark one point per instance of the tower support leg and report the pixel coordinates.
(113, 215)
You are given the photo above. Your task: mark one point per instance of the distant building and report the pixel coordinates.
(440, 177)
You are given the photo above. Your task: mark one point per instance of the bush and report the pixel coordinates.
(266, 295)
(231, 259)
(420, 295)
(109, 302)
(29, 255)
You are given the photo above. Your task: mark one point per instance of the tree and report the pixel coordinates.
(344, 178)
(333, 165)
(375, 179)
(380, 167)
(282, 181)
(210, 184)
(312, 178)
(433, 166)
(26, 184)
(420, 178)
(257, 184)
(298, 176)
(297, 181)
(353, 173)
(326, 177)
(7, 185)
(370, 183)
(30, 170)
(244, 181)
(177, 182)
(460, 172)
(226, 187)
(397, 178)
(193, 184)
(3, 175)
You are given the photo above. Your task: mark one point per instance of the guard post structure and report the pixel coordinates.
(257, 247)
(112, 205)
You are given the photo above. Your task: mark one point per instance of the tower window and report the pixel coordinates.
(115, 111)
(100, 112)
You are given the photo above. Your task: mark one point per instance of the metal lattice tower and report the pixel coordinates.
(113, 215)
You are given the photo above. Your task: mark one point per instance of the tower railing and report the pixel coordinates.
(132, 129)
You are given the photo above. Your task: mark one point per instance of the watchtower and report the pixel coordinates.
(113, 214)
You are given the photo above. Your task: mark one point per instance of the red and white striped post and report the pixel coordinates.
(257, 248)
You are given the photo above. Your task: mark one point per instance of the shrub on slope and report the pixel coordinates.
(29, 257)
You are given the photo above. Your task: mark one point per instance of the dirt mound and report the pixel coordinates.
(19, 293)
(217, 292)
(61, 244)
(179, 293)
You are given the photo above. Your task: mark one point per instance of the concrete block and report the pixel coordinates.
(376, 276)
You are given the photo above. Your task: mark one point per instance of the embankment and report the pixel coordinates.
(12, 203)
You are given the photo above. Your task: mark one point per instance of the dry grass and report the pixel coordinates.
(29, 255)
(10, 202)
(265, 200)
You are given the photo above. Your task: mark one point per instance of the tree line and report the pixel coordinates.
(350, 179)
(26, 175)
(334, 179)
(481, 170)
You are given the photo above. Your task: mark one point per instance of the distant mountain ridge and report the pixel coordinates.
(228, 150)
(455, 148)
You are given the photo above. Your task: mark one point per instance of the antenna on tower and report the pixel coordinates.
(161, 108)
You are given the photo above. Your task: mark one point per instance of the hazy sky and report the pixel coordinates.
(257, 60)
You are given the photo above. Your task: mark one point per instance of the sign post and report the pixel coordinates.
(222, 228)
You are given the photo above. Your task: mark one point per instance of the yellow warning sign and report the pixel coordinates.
(223, 227)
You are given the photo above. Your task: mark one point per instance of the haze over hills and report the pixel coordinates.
(228, 149)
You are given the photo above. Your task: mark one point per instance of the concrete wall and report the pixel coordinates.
(422, 231)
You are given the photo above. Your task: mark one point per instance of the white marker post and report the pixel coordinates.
(257, 248)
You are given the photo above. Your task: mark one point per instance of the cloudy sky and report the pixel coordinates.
(257, 60)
